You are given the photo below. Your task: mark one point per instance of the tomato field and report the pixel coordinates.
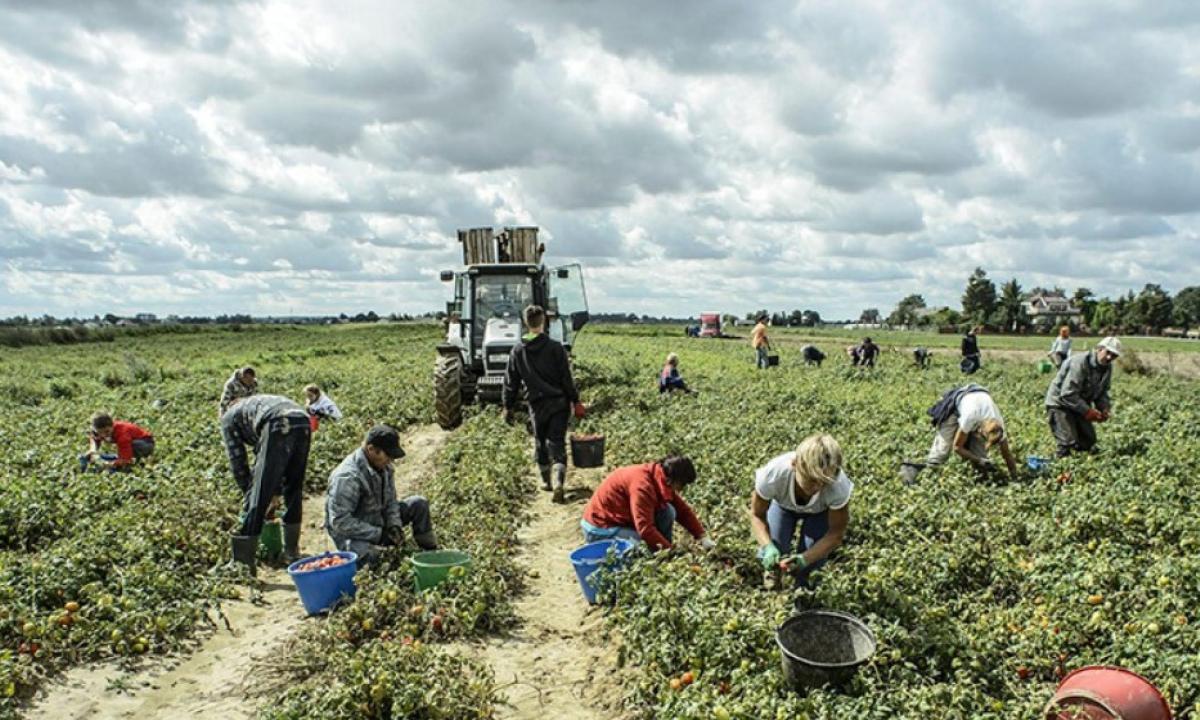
(982, 594)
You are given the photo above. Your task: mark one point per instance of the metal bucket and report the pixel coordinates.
(823, 647)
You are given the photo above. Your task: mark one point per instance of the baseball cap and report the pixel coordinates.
(1111, 344)
(387, 439)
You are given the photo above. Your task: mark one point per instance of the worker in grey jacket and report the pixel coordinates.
(278, 430)
(362, 514)
(1078, 397)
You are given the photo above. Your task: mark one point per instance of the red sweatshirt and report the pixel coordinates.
(124, 433)
(630, 496)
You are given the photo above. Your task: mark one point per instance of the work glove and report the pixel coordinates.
(793, 564)
(393, 535)
(580, 411)
(706, 543)
(769, 556)
(1093, 415)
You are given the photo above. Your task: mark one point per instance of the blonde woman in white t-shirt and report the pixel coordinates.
(973, 428)
(805, 488)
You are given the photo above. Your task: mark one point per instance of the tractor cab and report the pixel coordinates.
(504, 275)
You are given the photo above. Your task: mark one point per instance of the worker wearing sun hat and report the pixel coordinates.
(1078, 397)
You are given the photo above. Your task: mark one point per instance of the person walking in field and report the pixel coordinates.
(971, 358)
(866, 354)
(669, 380)
(362, 512)
(320, 406)
(1078, 397)
(806, 488)
(812, 355)
(761, 343)
(241, 384)
(279, 431)
(642, 502)
(1060, 349)
(968, 423)
(541, 366)
(133, 443)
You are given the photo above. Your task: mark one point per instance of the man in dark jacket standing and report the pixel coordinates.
(541, 365)
(1078, 397)
(279, 431)
(971, 359)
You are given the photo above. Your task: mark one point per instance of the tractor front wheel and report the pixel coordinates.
(447, 390)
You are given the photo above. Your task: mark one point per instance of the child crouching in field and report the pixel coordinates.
(320, 406)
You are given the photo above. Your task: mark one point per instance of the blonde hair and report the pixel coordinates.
(672, 359)
(1064, 331)
(992, 430)
(819, 459)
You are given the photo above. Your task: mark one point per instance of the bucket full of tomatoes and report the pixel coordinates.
(323, 580)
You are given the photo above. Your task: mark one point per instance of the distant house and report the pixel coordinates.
(1046, 308)
(146, 318)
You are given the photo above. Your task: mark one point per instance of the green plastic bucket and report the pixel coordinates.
(271, 539)
(431, 568)
(1045, 366)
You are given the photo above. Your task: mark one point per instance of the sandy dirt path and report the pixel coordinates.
(214, 680)
(557, 663)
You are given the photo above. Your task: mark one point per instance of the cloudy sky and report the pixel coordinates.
(312, 157)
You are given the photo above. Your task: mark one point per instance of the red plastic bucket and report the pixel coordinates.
(1100, 692)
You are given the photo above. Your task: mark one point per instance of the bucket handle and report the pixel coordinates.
(1079, 694)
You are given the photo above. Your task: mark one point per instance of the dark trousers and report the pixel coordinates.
(280, 461)
(550, 434)
(1071, 432)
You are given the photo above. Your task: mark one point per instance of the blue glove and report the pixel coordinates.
(769, 556)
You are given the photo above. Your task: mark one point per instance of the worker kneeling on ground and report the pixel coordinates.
(278, 430)
(362, 514)
(968, 423)
(1078, 397)
(806, 487)
(133, 443)
(669, 380)
(642, 502)
(541, 366)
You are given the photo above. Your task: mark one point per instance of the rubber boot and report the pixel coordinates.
(291, 543)
(426, 541)
(560, 480)
(544, 471)
(909, 471)
(245, 551)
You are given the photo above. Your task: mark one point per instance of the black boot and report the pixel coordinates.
(291, 543)
(245, 551)
(426, 541)
(544, 471)
(560, 480)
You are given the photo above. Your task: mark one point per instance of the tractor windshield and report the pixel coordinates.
(499, 296)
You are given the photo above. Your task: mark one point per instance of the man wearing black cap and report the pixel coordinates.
(279, 431)
(362, 514)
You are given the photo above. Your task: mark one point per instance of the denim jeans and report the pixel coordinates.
(664, 520)
(782, 525)
(762, 357)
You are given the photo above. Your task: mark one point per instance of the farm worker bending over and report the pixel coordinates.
(1060, 349)
(970, 351)
(805, 487)
(812, 355)
(241, 384)
(279, 431)
(969, 423)
(541, 365)
(132, 443)
(320, 406)
(922, 357)
(760, 341)
(670, 379)
(1078, 397)
(642, 502)
(362, 514)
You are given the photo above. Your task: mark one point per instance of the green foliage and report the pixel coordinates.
(979, 298)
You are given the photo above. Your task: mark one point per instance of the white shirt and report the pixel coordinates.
(777, 481)
(325, 408)
(974, 408)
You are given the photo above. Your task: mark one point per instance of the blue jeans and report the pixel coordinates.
(782, 525)
(664, 520)
(762, 357)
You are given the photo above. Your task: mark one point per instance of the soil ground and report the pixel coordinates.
(557, 663)
(214, 680)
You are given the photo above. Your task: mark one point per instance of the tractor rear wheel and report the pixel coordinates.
(447, 391)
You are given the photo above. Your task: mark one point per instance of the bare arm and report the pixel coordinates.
(838, 520)
(1011, 462)
(960, 448)
(758, 518)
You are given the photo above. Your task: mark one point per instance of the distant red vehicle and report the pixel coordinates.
(710, 324)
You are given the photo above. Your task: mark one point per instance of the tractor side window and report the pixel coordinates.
(567, 293)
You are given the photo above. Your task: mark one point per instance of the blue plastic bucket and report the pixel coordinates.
(591, 557)
(1037, 464)
(321, 589)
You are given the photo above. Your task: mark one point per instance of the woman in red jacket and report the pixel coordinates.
(642, 502)
(132, 442)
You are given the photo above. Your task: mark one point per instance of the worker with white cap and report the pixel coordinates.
(1078, 397)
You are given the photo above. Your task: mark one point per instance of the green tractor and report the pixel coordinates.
(504, 274)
